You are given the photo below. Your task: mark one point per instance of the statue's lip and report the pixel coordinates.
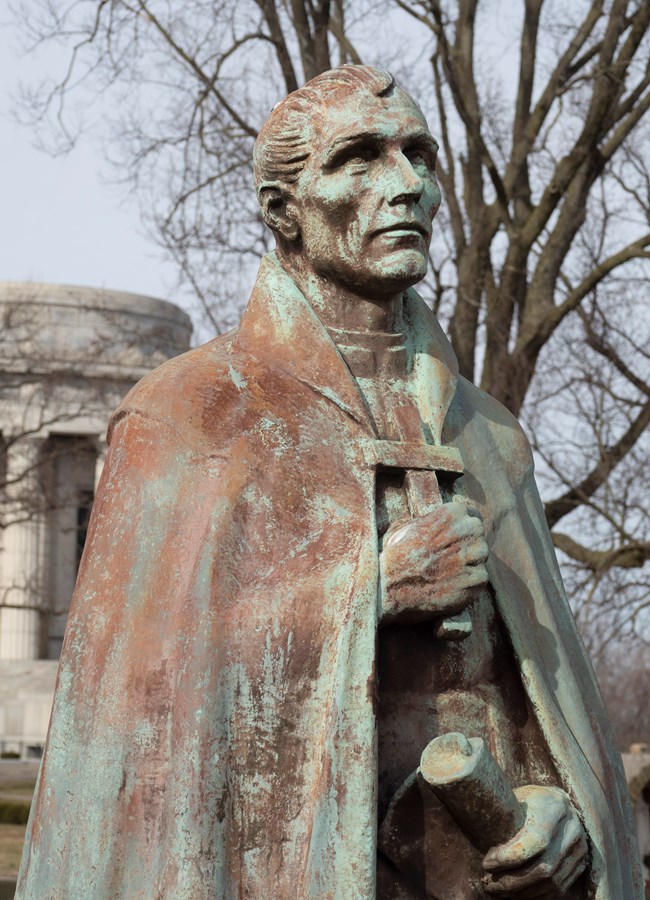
(404, 226)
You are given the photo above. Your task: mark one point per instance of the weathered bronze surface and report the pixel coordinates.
(316, 549)
(465, 776)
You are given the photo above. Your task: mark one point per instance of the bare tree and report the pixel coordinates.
(624, 676)
(540, 266)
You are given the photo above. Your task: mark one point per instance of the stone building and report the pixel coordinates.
(637, 771)
(67, 357)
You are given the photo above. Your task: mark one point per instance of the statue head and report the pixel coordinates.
(345, 176)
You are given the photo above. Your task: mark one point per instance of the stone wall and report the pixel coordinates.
(68, 355)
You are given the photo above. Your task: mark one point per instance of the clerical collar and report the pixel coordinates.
(371, 353)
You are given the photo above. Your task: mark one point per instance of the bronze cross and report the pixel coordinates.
(420, 463)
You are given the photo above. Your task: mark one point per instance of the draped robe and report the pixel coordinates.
(214, 729)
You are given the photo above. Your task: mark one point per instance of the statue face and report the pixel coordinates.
(368, 193)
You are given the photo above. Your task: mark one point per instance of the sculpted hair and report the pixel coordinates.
(284, 142)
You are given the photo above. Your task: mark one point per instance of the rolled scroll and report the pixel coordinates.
(465, 776)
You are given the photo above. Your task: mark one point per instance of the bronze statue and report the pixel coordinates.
(319, 646)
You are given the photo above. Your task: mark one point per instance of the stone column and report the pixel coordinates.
(23, 560)
(102, 448)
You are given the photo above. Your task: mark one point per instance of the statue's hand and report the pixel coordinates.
(433, 565)
(546, 856)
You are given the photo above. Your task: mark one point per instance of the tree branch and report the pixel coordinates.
(539, 329)
(609, 459)
(629, 556)
(600, 346)
(586, 153)
(347, 50)
(270, 14)
(459, 69)
(196, 68)
(529, 133)
(448, 176)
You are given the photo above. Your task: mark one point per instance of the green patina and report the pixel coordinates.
(266, 539)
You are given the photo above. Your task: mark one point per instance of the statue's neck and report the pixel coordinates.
(343, 308)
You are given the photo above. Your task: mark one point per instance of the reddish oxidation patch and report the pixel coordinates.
(216, 727)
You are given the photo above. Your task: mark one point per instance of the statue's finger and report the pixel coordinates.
(538, 883)
(475, 576)
(397, 534)
(558, 867)
(571, 870)
(476, 550)
(473, 512)
(547, 810)
(575, 857)
(526, 846)
(528, 880)
(471, 526)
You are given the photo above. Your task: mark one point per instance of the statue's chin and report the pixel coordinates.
(378, 275)
(402, 270)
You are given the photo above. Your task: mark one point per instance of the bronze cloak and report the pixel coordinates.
(213, 733)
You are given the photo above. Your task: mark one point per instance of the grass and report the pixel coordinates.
(11, 848)
(12, 836)
(22, 789)
(15, 799)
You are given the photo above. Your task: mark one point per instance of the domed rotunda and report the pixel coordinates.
(68, 355)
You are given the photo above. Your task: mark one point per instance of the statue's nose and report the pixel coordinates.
(403, 184)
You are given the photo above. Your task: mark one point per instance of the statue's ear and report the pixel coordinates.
(277, 210)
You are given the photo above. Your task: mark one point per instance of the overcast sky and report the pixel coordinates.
(59, 221)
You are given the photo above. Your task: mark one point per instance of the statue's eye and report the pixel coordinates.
(418, 156)
(356, 155)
